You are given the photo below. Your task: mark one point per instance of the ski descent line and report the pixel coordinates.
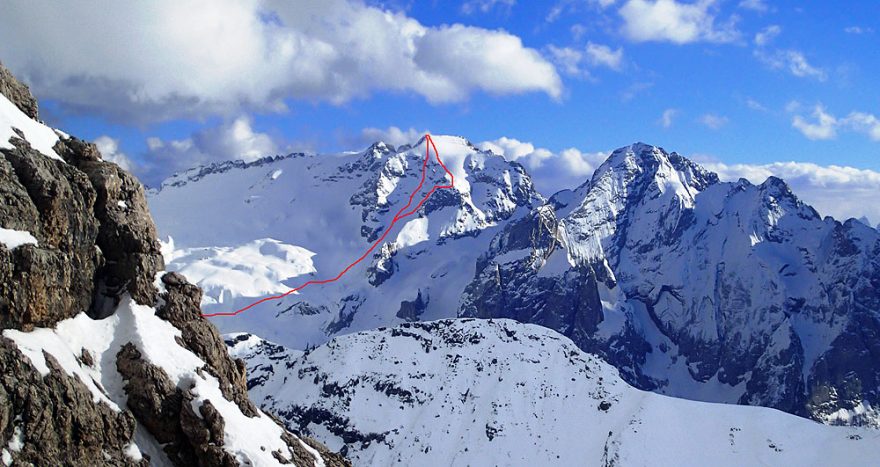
(401, 214)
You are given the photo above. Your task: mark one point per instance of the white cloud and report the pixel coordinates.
(582, 164)
(485, 6)
(754, 5)
(602, 55)
(666, 120)
(677, 22)
(550, 171)
(151, 61)
(516, 150)
(569, 60)
(567, 6)
(857, 30)
(391, 135)
(766, 35)
(235, 140)
(841, 192)
(577, 62)
(578, 31)
(755, 105)
(713, 121)
(792, 60)
(865, 123)
(109, 149)
(825, 125)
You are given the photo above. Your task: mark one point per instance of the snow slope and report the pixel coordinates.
(39, 136)
(335, 206)
(497, 392)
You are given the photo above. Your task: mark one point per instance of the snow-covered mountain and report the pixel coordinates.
(721, 292)
(498, 392)
(724, 292)
(242, 231)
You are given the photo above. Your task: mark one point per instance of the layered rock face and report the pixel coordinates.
(86, 379)
(727, 292)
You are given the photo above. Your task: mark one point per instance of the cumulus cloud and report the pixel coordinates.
(824, 126)
(109, 149)
(677, 22)
(838, 191)
(516, 150)
(152, 61)
(235, 140)
(550, 171)
(794, 61)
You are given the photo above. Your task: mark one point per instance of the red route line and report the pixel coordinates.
(401, 214)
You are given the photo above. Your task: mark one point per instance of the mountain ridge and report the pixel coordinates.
(602, 263)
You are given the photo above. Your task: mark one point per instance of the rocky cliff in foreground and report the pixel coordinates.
(103, 363)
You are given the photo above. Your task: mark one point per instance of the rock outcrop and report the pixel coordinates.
(95, 245)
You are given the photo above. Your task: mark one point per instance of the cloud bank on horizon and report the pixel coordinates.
(167, 85)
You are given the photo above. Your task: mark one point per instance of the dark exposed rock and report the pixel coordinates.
(56, 418)
(166, 412)
(45, 283)
(127, 237)
(411, 310)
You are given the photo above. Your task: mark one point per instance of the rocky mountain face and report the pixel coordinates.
(727, 292)
(102, 363)
(499, 392)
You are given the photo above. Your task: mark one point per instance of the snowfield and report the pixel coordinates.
(498, 392)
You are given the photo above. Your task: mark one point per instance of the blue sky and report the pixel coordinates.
(743, 86)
